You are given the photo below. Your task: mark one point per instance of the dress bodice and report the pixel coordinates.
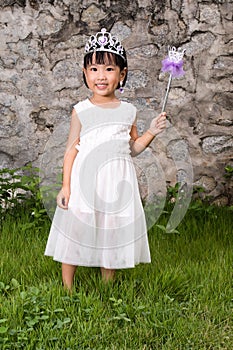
(105, 128)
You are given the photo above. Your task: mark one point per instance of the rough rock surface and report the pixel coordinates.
(42, 43)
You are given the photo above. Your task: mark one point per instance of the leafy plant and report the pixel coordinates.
(20, 191)
(17, 186)
(35, 314)
(228, 171)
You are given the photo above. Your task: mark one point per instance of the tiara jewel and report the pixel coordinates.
(104, 41)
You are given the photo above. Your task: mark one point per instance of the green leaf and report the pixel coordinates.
(172, 231)
(3, 329)
(3, 320)
(23, 295)
(44, 317)
(59, 310)
(163, 228)
(15, 283)
(66, 320)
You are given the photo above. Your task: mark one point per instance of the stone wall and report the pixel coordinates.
(41, 78)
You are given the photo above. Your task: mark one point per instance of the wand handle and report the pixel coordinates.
(167, 92)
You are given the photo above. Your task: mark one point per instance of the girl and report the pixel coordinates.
(99, 220)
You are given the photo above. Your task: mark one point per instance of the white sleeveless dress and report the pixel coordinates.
(105, 223)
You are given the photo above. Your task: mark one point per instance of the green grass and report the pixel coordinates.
(182, 300)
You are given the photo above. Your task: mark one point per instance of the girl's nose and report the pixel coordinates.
(101, 74)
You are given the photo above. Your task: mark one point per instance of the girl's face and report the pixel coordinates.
(103, 79)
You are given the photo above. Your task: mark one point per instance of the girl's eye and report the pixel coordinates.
(110, 69)
(93, 69)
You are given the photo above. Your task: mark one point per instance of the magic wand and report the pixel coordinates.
(173, 64)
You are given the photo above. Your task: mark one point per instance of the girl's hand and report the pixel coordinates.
(63, 198)
(158, 124)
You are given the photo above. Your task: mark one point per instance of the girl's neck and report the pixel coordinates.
(107, 104)
(101, 100)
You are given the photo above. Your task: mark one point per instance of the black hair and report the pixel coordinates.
(105, 57)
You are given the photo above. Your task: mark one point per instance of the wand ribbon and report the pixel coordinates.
(173, 64)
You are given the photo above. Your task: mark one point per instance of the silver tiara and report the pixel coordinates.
(104, 41)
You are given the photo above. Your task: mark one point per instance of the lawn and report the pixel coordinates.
(182, 300)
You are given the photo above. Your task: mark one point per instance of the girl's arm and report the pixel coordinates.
(70, 154)
(138, 144)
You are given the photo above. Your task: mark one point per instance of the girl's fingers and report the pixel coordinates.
(163, 116)
(62, 202)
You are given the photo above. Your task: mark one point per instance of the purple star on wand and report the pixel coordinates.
(173, 64)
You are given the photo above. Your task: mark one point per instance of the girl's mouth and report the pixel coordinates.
(101, 86)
